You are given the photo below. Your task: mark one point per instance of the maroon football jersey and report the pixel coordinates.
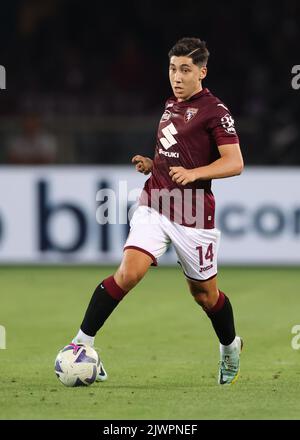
(188, 135)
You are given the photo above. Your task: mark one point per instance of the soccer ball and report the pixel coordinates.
(77, 365)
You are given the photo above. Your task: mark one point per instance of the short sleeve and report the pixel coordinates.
(220, 124)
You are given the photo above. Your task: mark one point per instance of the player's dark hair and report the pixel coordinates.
(193, 48)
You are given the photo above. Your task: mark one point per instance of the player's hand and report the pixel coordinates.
(182, 176)
(142, 164)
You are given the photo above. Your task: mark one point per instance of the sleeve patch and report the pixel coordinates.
(227, 122)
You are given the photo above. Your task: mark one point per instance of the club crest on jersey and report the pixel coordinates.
(166, 116)
(190, 113)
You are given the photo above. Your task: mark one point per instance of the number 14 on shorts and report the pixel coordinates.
(205, 255)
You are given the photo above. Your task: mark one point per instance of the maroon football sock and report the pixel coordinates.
(105, 299)
(221, 316)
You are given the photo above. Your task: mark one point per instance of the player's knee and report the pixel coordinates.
(127, 278)
(197, 290)
(201, 299)
(205, 293)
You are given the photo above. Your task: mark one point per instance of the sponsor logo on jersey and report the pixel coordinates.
(168, 140)
(228, 124)
(168, 153)
(190, 113)
(166, 116)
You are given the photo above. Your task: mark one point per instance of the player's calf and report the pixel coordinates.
(109, 294)
(205, 293)
(218, 308)
(132, 269)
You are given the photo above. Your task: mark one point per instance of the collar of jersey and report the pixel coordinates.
(203, 92)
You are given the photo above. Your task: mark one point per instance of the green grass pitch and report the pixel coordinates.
(158, 347)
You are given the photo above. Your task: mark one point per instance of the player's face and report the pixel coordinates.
(185, 77)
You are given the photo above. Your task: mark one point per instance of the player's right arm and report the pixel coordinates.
(142, 164)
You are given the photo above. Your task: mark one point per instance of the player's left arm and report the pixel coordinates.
(229, 164)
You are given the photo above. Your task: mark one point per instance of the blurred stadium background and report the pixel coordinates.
(85, 88)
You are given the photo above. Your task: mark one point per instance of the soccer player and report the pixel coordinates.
(196, 142)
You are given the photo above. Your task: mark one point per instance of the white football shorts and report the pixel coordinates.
(196, 249)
